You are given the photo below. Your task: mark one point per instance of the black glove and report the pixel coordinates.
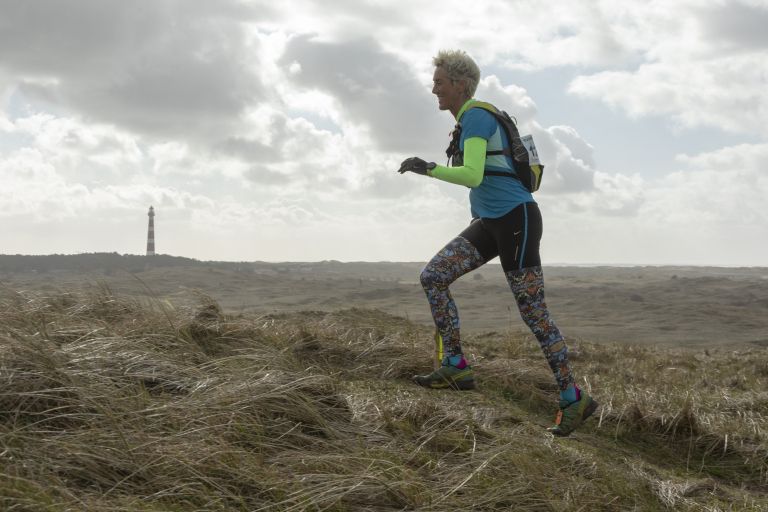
(417, 165)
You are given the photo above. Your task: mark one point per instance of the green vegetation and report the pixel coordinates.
(112, 403)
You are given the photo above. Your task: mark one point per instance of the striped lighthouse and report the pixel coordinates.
(151, 233)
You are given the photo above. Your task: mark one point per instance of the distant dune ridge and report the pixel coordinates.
(134, 403)
(678, 306)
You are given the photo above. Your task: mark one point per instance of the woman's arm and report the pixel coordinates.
(471, 173)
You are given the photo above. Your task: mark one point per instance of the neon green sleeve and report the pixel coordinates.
(471, 173)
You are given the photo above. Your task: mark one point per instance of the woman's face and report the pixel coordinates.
(451, 94)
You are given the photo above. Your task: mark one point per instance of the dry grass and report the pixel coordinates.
(110, 403)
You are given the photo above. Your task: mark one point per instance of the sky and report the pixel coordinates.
(272, 131)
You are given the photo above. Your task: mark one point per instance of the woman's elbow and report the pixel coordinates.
(476, 181)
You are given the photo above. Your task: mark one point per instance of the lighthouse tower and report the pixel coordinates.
(151, 233)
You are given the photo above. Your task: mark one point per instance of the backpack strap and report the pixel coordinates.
(453, 148)
(483, 105)
(455, 155)
(522, 169)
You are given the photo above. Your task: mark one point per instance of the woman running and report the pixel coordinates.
(506, 222)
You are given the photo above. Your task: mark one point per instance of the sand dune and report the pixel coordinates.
(664, 305)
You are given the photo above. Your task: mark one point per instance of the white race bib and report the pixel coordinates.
(533, 155)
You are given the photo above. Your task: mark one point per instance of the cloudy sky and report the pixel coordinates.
(263, 130)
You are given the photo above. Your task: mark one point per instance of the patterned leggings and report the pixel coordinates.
(527, 286)
(453, 261)
(515, 239)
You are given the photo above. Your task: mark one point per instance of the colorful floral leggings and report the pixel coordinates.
(515, 239)
(453, 261)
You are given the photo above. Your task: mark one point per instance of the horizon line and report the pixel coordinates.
(496, 262)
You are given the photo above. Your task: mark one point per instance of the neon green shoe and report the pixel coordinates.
(571, 415)
(448, 377)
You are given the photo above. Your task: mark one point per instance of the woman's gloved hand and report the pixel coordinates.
(417, 165)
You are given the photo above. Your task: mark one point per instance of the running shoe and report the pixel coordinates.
(448, 377)
(573, 414)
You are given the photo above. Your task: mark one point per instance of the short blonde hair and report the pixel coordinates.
(459, 66)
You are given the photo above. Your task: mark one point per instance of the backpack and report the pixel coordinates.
(522, 150)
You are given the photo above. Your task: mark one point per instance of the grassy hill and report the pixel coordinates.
(117, 403)
(700, 307)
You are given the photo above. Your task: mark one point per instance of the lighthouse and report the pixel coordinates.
(151, 233)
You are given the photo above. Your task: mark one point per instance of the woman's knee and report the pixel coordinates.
(430, 278)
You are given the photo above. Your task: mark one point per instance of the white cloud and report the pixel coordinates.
(709, 212)
(264, 130)
(567, 157)
(67, 139)
(177, 68)
(724, 188)
(567, 160)
(699, 70)
(512, 98)
(370, 86)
